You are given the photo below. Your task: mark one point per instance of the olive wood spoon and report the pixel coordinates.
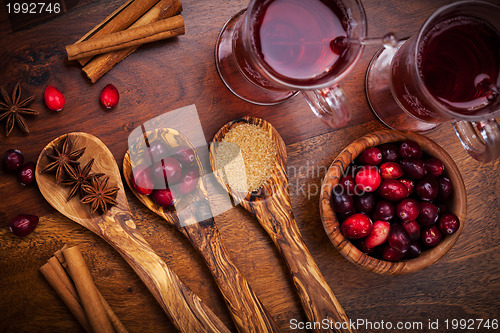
(116, 227)
(272, 207)
(199, 227)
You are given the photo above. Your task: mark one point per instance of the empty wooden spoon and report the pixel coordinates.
(185, 309)
(193, 218)
(272, 207)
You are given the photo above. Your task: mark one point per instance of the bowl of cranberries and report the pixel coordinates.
(393, 202)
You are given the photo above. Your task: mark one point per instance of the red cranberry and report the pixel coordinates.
(448, 223)
(398, 238)
(158, 150)
(410, 184)
(184, 155)
(356, 226)
(410, 149)
(348, 183)
(368, 178)
(407, 209)
(26, 175)
(427, 189)
(431, 236)
(142, 180)
(412, 228)
(54, 98)
(371, 156)
(379, 234)
(445, 188)
(163, 197)
(428, 214)
(12, 160)
(188, 182)
(384, 211)
(415, 169)
(434, 166)
(390, 170)
(414, 250)
(365, 203)
(167, 170)
(390, 254)
(341, 202)
(23, 224)
(109, 96)
(389, 152)
(393, 190)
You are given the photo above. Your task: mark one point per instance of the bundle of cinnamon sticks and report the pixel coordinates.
(68, 274)
(136, 22)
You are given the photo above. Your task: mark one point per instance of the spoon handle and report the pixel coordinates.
(247, 311)
(317, 298)
(184, 308)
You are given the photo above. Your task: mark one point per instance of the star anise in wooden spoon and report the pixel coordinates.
(79, 177)
(63, 160)
(13, 109)
(99, 195)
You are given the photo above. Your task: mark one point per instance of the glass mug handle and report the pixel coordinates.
(480, 139)
(330, 105)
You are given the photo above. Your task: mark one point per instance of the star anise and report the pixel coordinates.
(79, 177)
(99, 195)
(13, 109)
(63, 159)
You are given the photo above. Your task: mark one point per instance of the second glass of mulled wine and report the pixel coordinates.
(275, 48)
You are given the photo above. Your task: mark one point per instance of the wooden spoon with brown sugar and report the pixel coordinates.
(272, 207)
(116, 226)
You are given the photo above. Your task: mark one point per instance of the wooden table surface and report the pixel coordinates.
(167, 75)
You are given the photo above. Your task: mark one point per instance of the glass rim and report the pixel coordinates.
(257, 62)
(424, 29)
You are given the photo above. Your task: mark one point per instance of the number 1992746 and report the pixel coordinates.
(33, 8)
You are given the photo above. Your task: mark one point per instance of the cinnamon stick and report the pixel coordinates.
(155, 31)
(103, 63)
(71, 302)
(63, 276)
(120, 19)
(87, 291)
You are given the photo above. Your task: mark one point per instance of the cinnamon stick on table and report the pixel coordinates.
(101, 64)
(86, 289)
(120, 19)
(162, 29)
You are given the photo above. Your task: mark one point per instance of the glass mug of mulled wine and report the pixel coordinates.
(275, 48)
(450, 71)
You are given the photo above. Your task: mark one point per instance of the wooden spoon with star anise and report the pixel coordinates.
(116, 226)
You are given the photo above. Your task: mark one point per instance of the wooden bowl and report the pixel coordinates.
(457, 204)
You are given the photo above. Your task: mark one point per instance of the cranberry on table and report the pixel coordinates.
(142, 180)
(445, 188)
(392, 190)
(427, 188)
(167, 170)
(356, 226)
(365, 203)
(414, 168)
(109, 96)
(12, 160)
(434, 166)
(184, 155)
(389, 152)
(163, 197)
(371, 156)
(348, 184)
(398, 238)
(23, 224)
(390, 254)
(379, 234)
(448, 223)
(431, 236)
(414, 250)
(384, 211)
(407, 209)
(368, 178)
(26, 174)
(410, 149)
(412, 228)
(391, 170)
(54, 98)
(429, 214)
